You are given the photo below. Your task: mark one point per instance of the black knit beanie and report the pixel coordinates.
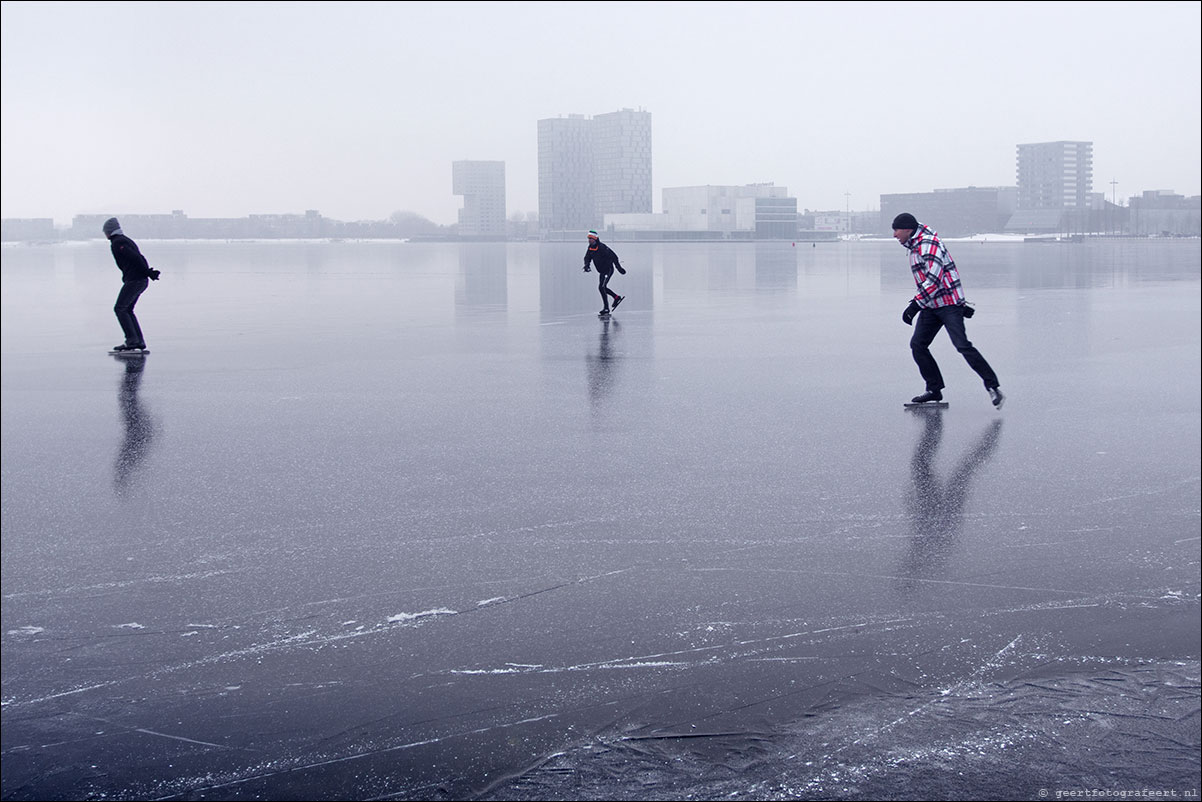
(904, 220)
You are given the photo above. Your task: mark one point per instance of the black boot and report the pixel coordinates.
(929, 395)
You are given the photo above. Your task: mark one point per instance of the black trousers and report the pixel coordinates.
(124, 309)
(928, 324)
(603, 277)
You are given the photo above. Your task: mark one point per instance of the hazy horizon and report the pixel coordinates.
(359, 109)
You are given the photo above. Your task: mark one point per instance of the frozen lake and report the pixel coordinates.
(409, 521)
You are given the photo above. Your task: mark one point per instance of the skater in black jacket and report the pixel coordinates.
(606, 261)
(136, 275)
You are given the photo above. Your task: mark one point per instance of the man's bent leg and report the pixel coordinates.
(953, 319)
(925, 328)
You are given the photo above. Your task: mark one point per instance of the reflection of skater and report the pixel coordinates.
(138, 427)
(136, 275)
(606, 261)
(936, 506)
(938, 304)
(601, 367)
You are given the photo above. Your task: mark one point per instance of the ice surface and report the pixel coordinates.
(408, 520)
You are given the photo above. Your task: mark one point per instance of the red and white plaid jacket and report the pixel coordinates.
(934, 271)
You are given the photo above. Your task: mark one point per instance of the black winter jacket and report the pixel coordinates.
(601, 257)
(129, 259)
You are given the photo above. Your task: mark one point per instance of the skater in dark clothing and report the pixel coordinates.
(938, 304)
(600, 256)
(136, 275)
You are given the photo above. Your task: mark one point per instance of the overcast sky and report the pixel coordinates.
(358, 109)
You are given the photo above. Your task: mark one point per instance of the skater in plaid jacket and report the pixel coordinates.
(938, 304)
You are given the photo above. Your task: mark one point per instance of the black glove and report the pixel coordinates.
(154, 274)
(968, 310)
(587, 269)
(911, 311)
(621, 269)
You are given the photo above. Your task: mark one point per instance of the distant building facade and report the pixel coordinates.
(1162, 212)
(622, 162)
(590, 167)
(775, 217)
(752, 211)
(832, 224)
(482, 185)
(836, 222)
(956, 212)
(1055, 175)
(565, 173)
(177, 225)
(14, 229)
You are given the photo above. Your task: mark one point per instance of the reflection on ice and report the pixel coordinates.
(602, 365)
(935, 504)
(482, 280)
(139, 427)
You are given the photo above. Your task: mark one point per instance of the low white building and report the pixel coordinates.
(752, 210)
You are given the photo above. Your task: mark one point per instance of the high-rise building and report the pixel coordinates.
(565, 173)
(588, 167)
(622, 162)
(482, 185)
(1055, 175)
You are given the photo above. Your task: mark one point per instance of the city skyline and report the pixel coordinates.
(225, 110)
